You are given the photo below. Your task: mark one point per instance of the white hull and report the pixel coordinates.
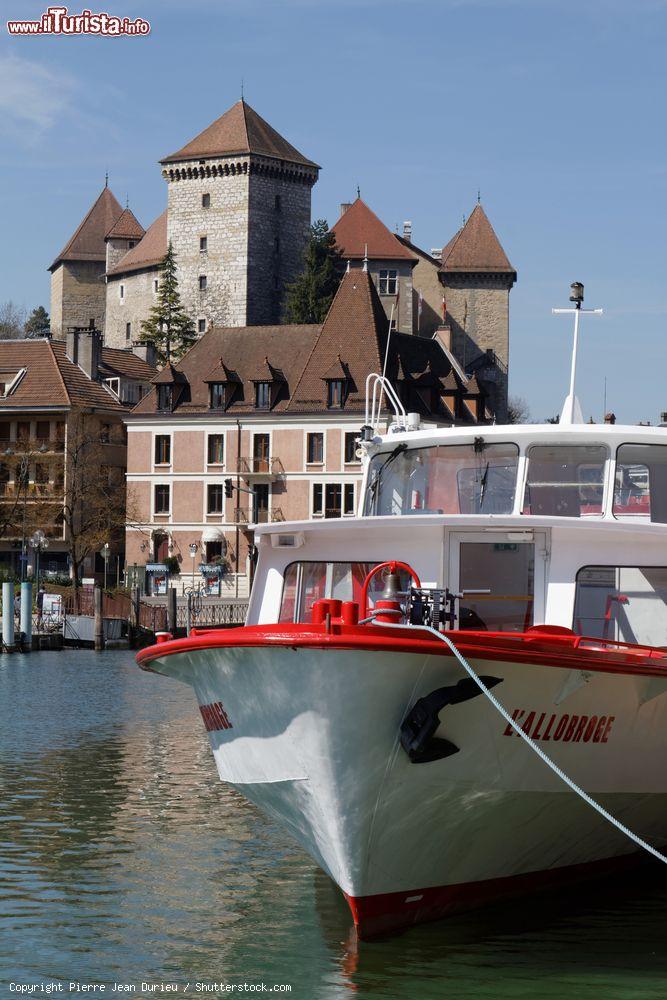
(313, 740)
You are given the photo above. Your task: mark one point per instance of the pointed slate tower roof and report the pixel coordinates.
(476, 248)
(358, 228)
(87, 243)
(239, 131)
(127, 227)
(149, 251)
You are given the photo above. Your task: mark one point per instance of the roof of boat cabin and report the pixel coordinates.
(609, 434)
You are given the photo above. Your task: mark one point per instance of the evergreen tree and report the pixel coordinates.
(310, 296)
(168, 328)
(37, 322)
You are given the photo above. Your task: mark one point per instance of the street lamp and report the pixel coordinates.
(39, 542)
(105, 555)
(193, 552)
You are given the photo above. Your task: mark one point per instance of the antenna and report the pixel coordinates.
(571, 413)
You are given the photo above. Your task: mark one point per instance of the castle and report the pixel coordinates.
(238, 215)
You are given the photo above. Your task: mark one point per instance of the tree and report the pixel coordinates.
(518, 411)
(168, 328)
(12, 320)
(95, 507)
(310, 296)
(37, 323)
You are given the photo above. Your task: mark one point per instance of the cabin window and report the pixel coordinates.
(565, 480)
(622, 603)
(640, 488)
(307, 582)
(476, 478)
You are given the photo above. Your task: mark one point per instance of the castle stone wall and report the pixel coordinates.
(138, 300)
(78, 296)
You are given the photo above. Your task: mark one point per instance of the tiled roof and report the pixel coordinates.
(149, 252)
(126, 364)
(350, 344)
(239, 131)
(244, 350)
(359, 228)
(51, 379)
(476, 248)
(87, 243)
(127, 227)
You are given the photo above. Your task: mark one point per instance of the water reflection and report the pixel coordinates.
(123, 858)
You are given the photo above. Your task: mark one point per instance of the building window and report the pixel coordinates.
(206, 201)
(215, 498)
(348, 498)
(278, 203)
(261, 503)
(214, 553)
(388, 282)
(216, 449)
(202, 282)
(261, 452)
(217, 396)
(262, 395)
(351, 438)
(162, 495)
(42, 431)
(162, 449)
(203, 244)
(315, 448)
(201, 325)
(128, 332)
(335, 392)
(317, 499)
(164, 397)
(156, 285)
(23, 430)
(131, 244)
(105, 433)
(121, 293)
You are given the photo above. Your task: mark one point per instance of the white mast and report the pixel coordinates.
(571, 412)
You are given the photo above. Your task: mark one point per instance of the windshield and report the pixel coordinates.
(478, 478)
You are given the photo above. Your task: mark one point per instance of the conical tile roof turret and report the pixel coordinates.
(476, 248)
(87, 242)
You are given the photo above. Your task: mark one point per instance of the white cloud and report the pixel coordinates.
(33, 97)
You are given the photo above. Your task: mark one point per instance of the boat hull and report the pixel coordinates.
(310, 735)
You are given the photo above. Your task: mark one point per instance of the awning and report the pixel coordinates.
(213, 534)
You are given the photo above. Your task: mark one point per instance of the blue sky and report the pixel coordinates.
(555, 110)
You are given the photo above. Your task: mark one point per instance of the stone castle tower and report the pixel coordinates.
(78, 292)
(238, 217)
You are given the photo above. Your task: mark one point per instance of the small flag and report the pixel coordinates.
(444, 310)
(420, 301)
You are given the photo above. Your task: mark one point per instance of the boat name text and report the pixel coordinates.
(215, 717)
(563, 728)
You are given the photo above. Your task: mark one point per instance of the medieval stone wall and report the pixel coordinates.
(78, 296)
(138, 299)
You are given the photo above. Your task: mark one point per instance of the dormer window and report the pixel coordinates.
(217, 396)
(335, 393)
(262, 395)
(9, 380)
(165, 397)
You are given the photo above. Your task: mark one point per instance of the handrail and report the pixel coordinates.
(375, 386)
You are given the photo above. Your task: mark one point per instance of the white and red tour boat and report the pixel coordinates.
(421, 693)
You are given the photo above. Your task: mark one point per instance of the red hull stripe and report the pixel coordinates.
(391, 911)
(550, 649)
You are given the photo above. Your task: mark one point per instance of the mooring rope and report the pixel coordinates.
(531, 743)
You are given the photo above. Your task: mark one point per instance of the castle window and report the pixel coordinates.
(156, 285)
(206, 201)
(315, 449)
(121, 293)
(202, 282)
(217, 396)
(128, 331)
(164, 397)
(262, 395)
(201, 325)
(388, 282)
(203, 244)
(335, 392)
(278, 203)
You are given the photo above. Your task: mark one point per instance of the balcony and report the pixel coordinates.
(260, 469)
(263, 516)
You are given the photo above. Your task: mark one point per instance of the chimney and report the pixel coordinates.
(344, 205)
(147, 353)
(407, 231)
(436, 252)
(83, 346)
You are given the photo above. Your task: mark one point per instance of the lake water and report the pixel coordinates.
(124, 860)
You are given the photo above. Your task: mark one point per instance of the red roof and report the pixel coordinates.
(126, 228)
(239, 131)
(359, 228)
(149, 252)
(476, 248)
(87, 243)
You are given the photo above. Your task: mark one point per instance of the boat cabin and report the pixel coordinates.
(563, 525)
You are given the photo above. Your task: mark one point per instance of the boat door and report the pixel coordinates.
(501, 576)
